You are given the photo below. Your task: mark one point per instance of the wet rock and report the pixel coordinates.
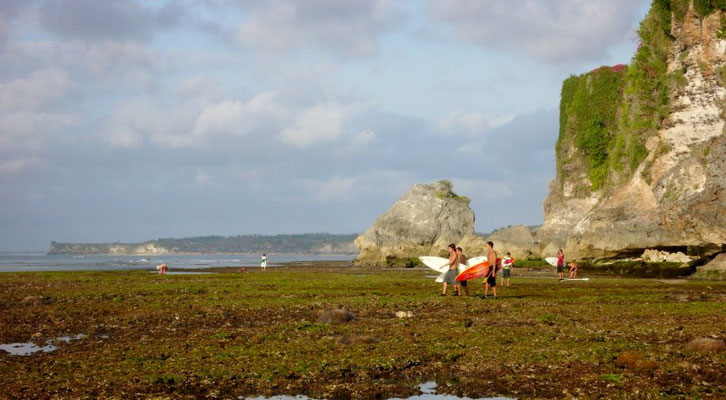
(706, 345)
(645, 365)
(356, 339)
(634, 360)
(31, 300)
(336, 316)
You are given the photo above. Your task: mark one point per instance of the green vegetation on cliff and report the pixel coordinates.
(588, 119)
(606, 115)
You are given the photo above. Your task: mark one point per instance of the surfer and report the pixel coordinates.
(561, 264)
(450, 277)
(507, 264)
(263, 261)
(462, 261)
(573, 270)
(491, 278)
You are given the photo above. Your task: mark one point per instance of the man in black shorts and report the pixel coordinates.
(492, 276)
(462, 263)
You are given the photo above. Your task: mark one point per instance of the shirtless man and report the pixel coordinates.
(462, 261)
(573, 270)
(491, 278)
(450, 277)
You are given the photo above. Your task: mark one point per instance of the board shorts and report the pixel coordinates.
(492, 281)
(450, 277)
(560, 268)
(507, 273)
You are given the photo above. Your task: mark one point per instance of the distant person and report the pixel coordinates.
(561, 264)
(491, 278)
(453, 271)
(507, 265)
(162, 268)
(462, 262)
(573, 270)
(263, 261)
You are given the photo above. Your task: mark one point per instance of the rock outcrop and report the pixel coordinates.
(651, 173)
(517, 240)
(424, 221)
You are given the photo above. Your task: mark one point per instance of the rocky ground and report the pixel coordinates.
(234, 334)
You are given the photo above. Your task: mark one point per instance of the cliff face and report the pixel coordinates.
(424, 221)
(642, 152)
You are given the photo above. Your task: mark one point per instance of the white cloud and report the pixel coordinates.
(236, 118)
(347, 27)
(472, 123)
(22, 129)
(552, 31)
(332, 189)
(38, 89)
(320, 123)
(11, 167)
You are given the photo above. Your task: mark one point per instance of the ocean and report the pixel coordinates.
(34, 262)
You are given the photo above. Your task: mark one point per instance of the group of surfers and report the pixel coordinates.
(456, 257)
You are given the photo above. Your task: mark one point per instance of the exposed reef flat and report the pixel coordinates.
(234, 334)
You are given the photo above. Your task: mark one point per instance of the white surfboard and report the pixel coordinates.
(438, 264)
(551, 261)
(437, 261)
(576, 279)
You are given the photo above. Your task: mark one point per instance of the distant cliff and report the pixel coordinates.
(641, 153)
(315, 243)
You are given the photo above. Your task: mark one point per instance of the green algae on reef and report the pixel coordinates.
(257, 333)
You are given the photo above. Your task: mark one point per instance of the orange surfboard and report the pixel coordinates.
(476, 271)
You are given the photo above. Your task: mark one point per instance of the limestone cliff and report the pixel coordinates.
(642, 152)
(424, 221)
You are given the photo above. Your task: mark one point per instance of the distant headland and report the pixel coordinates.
(312, 243)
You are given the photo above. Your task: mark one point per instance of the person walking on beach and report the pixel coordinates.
(561, 264)
(450, 277)
(507, 264)
(263, 261)
(462, 262)
(491, 278)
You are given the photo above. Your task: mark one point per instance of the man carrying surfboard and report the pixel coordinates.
(462, 261)
(491, 278)
(450, 277)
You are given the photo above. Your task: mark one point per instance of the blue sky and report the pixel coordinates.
(132, 120)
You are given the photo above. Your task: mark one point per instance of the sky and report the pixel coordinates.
(130, 120)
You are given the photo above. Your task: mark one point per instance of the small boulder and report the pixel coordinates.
(358, 339)
(31, 300)
(706, 344)
(645, 365)
(634, 360)
(628, 359)
(336, 316)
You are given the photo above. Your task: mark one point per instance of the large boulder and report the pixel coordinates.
(422, 222)
(715, 269)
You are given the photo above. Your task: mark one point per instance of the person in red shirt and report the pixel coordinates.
(561, 264)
